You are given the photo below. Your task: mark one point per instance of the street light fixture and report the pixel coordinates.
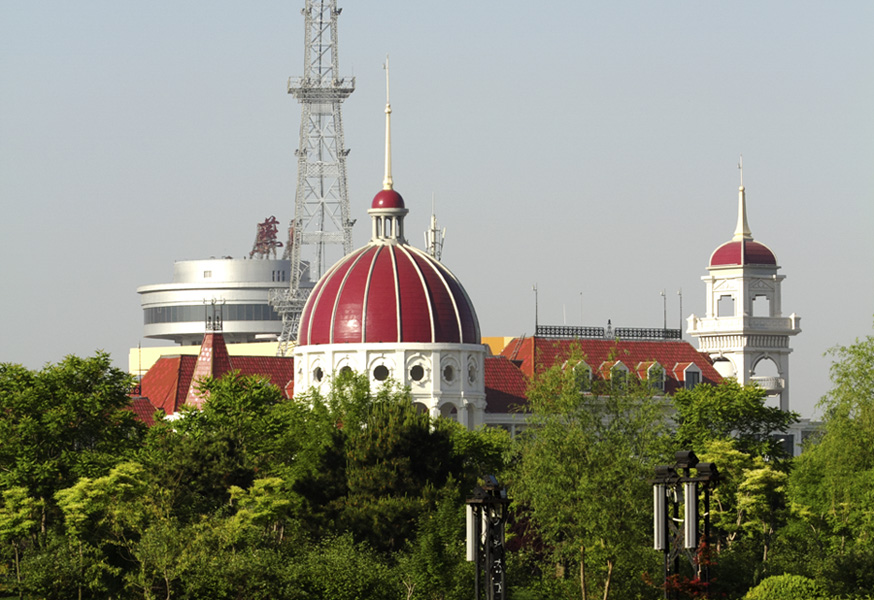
(673, 485)
(486, 518)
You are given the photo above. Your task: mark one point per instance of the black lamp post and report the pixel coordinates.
(672, 486)
(486, 518)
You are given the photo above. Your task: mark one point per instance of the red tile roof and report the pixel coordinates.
(506, 386)
(539, 354)
(166, 384)
(143, 409)
(278, 369)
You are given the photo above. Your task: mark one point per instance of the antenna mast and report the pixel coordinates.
(434, 236)
(321, 204)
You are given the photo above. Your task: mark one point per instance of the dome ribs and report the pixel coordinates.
(318, 315)
(446, 321)
(416, 311)
(385, 294)
(380, 310)
(350, 304)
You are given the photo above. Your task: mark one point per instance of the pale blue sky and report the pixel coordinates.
(588, 147)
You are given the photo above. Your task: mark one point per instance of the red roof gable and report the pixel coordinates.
(167, 382)
(539, 354)
(213, 361)
(506, 386)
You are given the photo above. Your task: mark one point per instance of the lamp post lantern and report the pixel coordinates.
(673, 486)
(486, 518)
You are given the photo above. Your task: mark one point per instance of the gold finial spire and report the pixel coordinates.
(387, 183)
(742, 231)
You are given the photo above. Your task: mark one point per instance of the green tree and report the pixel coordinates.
(730, 411)
(105, 518)
(245, 431)
(64, 422)
(395, 464)
(19, 524)
(582, 473)
(830, 488)
(433, 565)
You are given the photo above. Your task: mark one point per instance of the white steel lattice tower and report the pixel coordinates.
(321, 206)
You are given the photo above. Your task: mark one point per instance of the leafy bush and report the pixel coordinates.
(786, 587)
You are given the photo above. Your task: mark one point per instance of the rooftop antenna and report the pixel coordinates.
(664, 309)
(434, 237)
(536, 309)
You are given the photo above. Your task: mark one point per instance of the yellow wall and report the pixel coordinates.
(141, 360)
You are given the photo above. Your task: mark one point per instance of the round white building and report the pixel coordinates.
(177, 311)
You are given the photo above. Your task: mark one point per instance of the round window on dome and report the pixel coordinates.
(417, 372)
(318, 373)
(380, 373)
(471, 373)
(345, 370)
(449, 373)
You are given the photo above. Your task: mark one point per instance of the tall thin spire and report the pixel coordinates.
(387, 183)
(742, 231)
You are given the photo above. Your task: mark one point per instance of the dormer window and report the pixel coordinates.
(619, 376)
(583, 376)
(655, 375)
(692, 379)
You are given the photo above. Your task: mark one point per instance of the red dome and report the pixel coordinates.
(387, 199)
(742, 252)
(388, 293)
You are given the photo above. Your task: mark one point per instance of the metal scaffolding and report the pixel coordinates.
(321, 205)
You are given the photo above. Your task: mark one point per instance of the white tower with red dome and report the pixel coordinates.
(744, 330)
(394, 312)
